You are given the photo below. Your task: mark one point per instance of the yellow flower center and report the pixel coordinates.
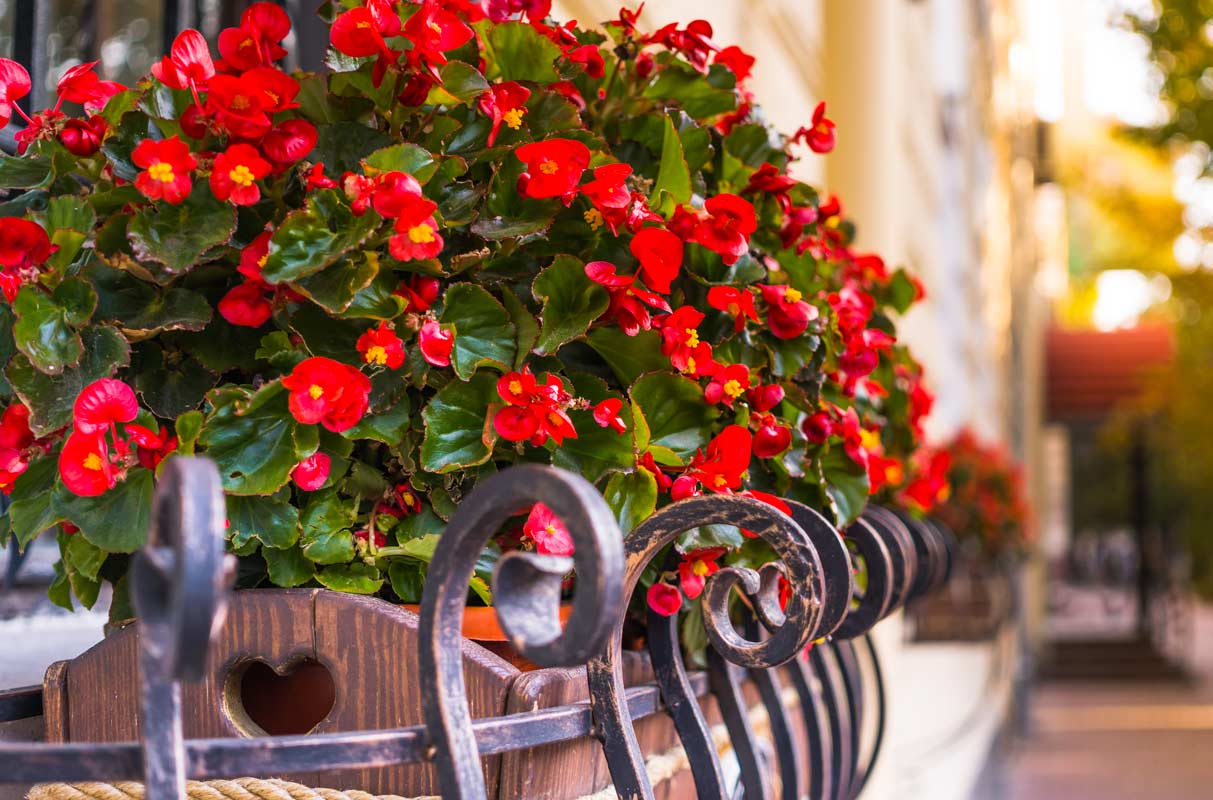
(261, 261)
(692, 339)
(699, 566)
(513, 118)
(408, 498)
(315, 391)
(733, 389)
(691, 364)
(720, 481)
(594, 218)
(792, 296)
(549, 167)
(421, 234)
(160, 171)
(550, 529)
(869, 439)
(92, 462)
(515, 387)
(893, 474)
(241, 175)
(363, 24)
(375, 355)
(734, 310)
(273, 96)
(555, 418)
(240, 102)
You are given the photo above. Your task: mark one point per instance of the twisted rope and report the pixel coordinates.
(237, 789)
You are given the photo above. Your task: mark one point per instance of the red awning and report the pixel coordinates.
(1089, 373)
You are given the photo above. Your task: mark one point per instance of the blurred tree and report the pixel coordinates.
(1180, 35)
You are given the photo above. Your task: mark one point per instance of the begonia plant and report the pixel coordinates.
(479, 238)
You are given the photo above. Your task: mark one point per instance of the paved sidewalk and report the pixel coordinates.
(1120, 741)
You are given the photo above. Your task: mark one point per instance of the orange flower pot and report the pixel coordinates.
(481, 626)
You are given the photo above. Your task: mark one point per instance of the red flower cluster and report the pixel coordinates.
(381, 347)
(436, 343)
(719, 467)
(327, 392)
(534, 411)
(723, 227)
(819, 136)
(504, 103)
(397, 195)
(17, 445)
(553, 168)
(629, 302)
(167, 165)
(87, 466)
(696, 567)
(235, 173)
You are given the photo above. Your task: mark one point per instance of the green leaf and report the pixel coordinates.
(902, 291)
(170, 384)
(596, 450)
(83, 556)
(376, 300)
(31, 513)
(407, 578)
(352, 578)
(142, 309)
(515, 51)
(571, 301)
(524, 323)
(115, 521)
(673, 185)
(678, 416)
(170, 240)
(407, 157)
(388, 426)
(484, 333)
(458, 431)
(341, 146)
(419, 526)
(24, 172)
(335, 287)
(633, 498)
(50, 398)
(846, 485)
(311, 238)
(46, 325)
(461, 83)
(288, 568)
(254, 440)
(788, 356)
(686, 86)
(69, 219)
(629, 357)
(188, 427)
(272, 520)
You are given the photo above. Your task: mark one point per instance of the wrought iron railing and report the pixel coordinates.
(180, 591)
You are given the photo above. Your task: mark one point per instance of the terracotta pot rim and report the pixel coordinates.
(480, 622)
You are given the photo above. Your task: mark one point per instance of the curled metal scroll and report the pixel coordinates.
(526, 591)
(792, 628)
(179, 585)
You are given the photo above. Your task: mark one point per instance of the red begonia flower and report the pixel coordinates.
(728, 384)
(788, 315)
(515, 423)
(764, 398)
(235, 174)
(695, 568)
(818, 427)
(629, 304)
(79, 84)
(535, 10)
(253, 256)
(392, 192)
(14, 84)
(274, 89)
(726, 226)
(166, 169)
(151, 447)
(103, 403)
(518, 388)
(312, 472)
(436, 343)
(420, 292)
(361, 31)
(853, 308)
(416, 234)
(608, 190)
(24, 246)
(665, 599)
(737, 303)
(553, 168)
(247, 304)
(680, 335)
(547, 532)
(737, 60)
(721, 466)
(257, 41)
(434, 31)
(316, 179)
(289, 141)
(660, 255)
(381, 346)
(589, 57)
(84, 465)
(819, 136)
(772, 437)
(407, 498)
(606, 414)
(504, 102)
(327, 392)
(16, 442)
(694, 41)
(188, 64)
(82, 137)
(236, 105)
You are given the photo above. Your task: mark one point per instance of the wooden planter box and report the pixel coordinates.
(311, 660)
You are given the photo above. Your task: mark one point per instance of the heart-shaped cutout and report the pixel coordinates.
(263, 700)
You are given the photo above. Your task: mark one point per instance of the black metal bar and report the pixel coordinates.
(770, 689)
(722, 677)
(865, 771)
(838, 718)
(817, 730)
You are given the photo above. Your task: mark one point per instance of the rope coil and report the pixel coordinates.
(236, 789)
